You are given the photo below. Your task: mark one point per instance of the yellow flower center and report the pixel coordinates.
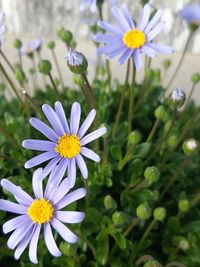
(134, 38)
(40, 211)
(68, 146)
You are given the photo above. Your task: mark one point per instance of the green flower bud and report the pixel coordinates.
(134, 137)
(118, 218)
(152, 263)
(161, 113)
(159, 214)
(177, 98)
(20, 75)
(172, 141)
(193, 26)
(44, 66)
(109, 202)
(51, 45)
(151, 174)
(195, 78)
(17, 44)
(183, 205)
(184, 244)
(143, 212)
(190, 147)
(65, 36)
(77, 62)
(167, 63)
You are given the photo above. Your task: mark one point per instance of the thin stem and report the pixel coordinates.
(148, 230)
(122, 98)
(7, 61)
(191, 92)
(130, 227)
(181, 59)
(20, 58)
(10, 82)
(108, 73)
(163, 139)
(153, 130)
(88, 91)
(174, 178)
(131, 101)
(58, 67)
(195, 200)
(52, 81)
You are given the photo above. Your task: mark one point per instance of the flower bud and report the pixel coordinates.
(44, 66)
(109, 202)
(20, 75)
(161, 113)
(134, 137)
(183, 244)
(167, 63)
(78, 79)
(195, 78)
(65, 36)
(190, 147)
(172, 141)
(51, 45)
(118, 218)
(177, 98)
(17, 44)
(77, 62)
(152, 263)
(143, 211)
(193, 26)
(151, 174)
(159, 214)
(183, 205)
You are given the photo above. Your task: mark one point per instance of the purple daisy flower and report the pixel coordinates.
(191, 13)
(66, 145)
(127, 40)
(88, 3)
(44, 209)
(33, 45)
(2, 27)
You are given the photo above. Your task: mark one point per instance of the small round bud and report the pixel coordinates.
(183, 244)
(183, 205)
(143, 212)
(190, 147)
(65, 36)
(167, 63)
(77, 62)
(172, 141)
(109, 202)
(134, 137)
(78, 80)
(20, 75)
(151, 174)
(44, 66)
(118, 218)
(17, 44)
(177, 98)
(51, 45)
(161, 113)
(152, 263)
(195, 78)
(159, 214)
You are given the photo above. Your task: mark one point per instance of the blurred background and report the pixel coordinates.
(30, 19)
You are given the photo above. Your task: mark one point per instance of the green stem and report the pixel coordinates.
(174, 178)
(88, 91)
(58, 68)
(7, 61)
(153, 130)
(163, 139)
(131, 101)
(181, 59)
(191, 92)
(195, 200)
(52, 82)
(146, 233)
(20, 58)
(108, 73)
(130, 227)
(122, 98)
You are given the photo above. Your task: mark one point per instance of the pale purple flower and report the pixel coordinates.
(2, 27)
(191, 13)
(128, 40)
(88, 3)
(33, 45)
(74, 58)
(66, 144)
(43, 210)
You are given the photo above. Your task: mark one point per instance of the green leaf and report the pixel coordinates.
(116, 152)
